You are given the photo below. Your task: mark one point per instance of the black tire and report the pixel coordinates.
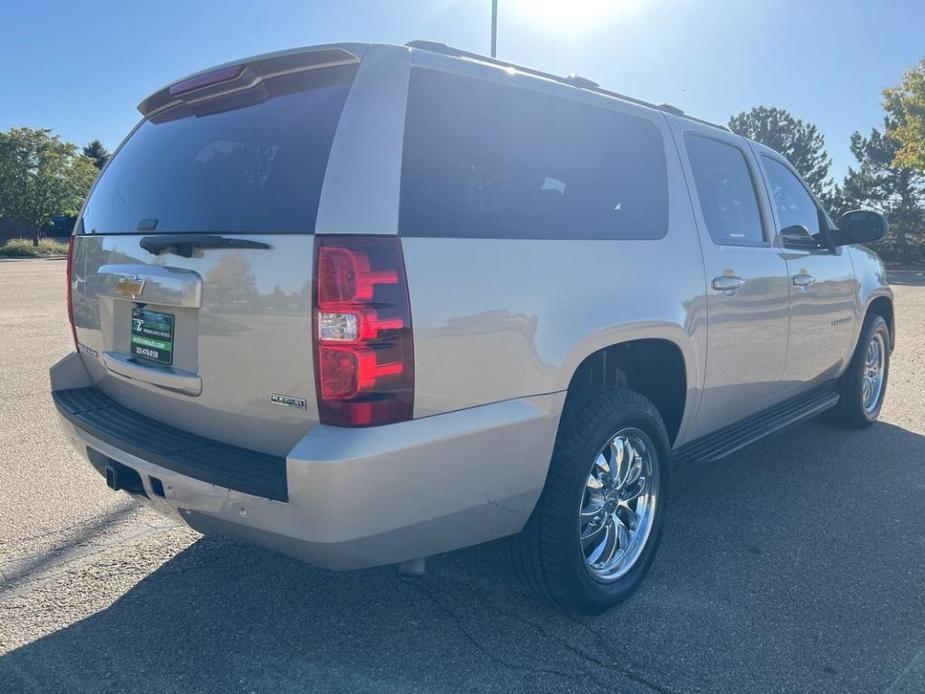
(850, 411)
(547, 554)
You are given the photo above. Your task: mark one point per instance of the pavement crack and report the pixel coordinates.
(481, 648)
(92, 520)
(638, 679)
(602, 641)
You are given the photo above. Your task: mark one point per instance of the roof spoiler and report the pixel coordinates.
(248, 73)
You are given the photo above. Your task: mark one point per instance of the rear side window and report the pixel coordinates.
(254, 162)
(487, 160)
(726, 192)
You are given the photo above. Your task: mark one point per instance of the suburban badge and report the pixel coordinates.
(288, 400)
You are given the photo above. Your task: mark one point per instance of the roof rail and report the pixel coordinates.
(675, 111)
(571, 80)
(582, 82)
(668, 108)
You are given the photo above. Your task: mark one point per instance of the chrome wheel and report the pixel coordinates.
(618, 504)
(872, 381)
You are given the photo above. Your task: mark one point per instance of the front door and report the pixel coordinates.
(823, 286)
(747, 292)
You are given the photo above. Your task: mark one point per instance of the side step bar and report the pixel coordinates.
(736, 436)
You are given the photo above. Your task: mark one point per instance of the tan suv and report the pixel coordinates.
(363, 304)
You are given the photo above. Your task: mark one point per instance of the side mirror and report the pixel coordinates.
(797, 236)
(860, 226)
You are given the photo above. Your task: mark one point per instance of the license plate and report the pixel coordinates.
(152, 335)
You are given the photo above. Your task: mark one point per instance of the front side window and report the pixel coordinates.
(794, 204)
(727, 195)
(489, 160)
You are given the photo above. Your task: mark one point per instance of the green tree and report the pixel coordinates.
(898, 191)
(800, 142)
(97, 152)
(41, 176)
(906, 104)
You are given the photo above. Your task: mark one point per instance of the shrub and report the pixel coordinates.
(23, 248)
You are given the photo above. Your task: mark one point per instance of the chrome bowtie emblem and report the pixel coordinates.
(130, 286)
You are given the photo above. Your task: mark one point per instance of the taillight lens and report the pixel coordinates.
(364, 351)
(70, 289)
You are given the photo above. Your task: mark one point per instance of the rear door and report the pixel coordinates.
(193, 258)
(748, 295)
(823, 286)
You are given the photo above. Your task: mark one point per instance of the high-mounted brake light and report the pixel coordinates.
(70, 290)
(207, 79)
(364, 353)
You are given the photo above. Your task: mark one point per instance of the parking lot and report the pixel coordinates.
(797, 564)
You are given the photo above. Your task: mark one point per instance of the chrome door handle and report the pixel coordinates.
(151, 284)
(727, 283)
(803, 280)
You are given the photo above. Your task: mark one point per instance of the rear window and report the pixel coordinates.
(253, 162)
(487, 160)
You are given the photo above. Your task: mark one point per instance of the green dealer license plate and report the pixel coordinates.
(152, 335)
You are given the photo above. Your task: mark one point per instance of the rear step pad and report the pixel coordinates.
(732, 438)
(198, 457)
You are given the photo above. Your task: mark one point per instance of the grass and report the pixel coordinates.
(23, 248)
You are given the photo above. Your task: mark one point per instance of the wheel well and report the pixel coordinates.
(653, 368)
(884, 307)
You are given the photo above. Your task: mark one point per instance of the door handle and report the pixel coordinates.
(727, 283)
(151, 284)
(803, 280)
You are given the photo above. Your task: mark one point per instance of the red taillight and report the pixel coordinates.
(70, 289)
(364, 351)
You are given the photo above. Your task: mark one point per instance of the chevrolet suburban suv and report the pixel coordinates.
(363, 304)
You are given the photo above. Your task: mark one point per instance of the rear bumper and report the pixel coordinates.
(351, 498)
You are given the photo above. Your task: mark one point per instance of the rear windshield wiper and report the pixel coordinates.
(183, 244)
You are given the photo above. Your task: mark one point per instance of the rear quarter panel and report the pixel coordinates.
(503, 318)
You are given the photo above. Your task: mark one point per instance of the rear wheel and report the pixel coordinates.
(863, 385)
(594, 532)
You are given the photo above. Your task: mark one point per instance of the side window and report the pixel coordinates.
(794, 205)
(489, 160)
(726, 192)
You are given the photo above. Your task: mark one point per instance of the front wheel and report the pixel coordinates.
(863, 385)
(595, 530)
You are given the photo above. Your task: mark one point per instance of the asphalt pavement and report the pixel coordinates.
(795, 565)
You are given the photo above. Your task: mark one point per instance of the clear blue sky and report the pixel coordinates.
(81, 68)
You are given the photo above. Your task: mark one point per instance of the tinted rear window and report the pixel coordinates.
(254, 162)
(487, 160)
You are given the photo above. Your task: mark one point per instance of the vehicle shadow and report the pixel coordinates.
(794, 565)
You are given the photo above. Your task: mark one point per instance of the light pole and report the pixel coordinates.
(494, 28)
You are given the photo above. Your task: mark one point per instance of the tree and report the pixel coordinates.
(906, 104)
(233, 285)
(41, 176)
(898, 191)
(800, 142)
(97, 152)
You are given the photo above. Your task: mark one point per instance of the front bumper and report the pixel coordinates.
(352, 498)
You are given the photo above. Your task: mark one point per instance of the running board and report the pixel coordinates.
(736, 436)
